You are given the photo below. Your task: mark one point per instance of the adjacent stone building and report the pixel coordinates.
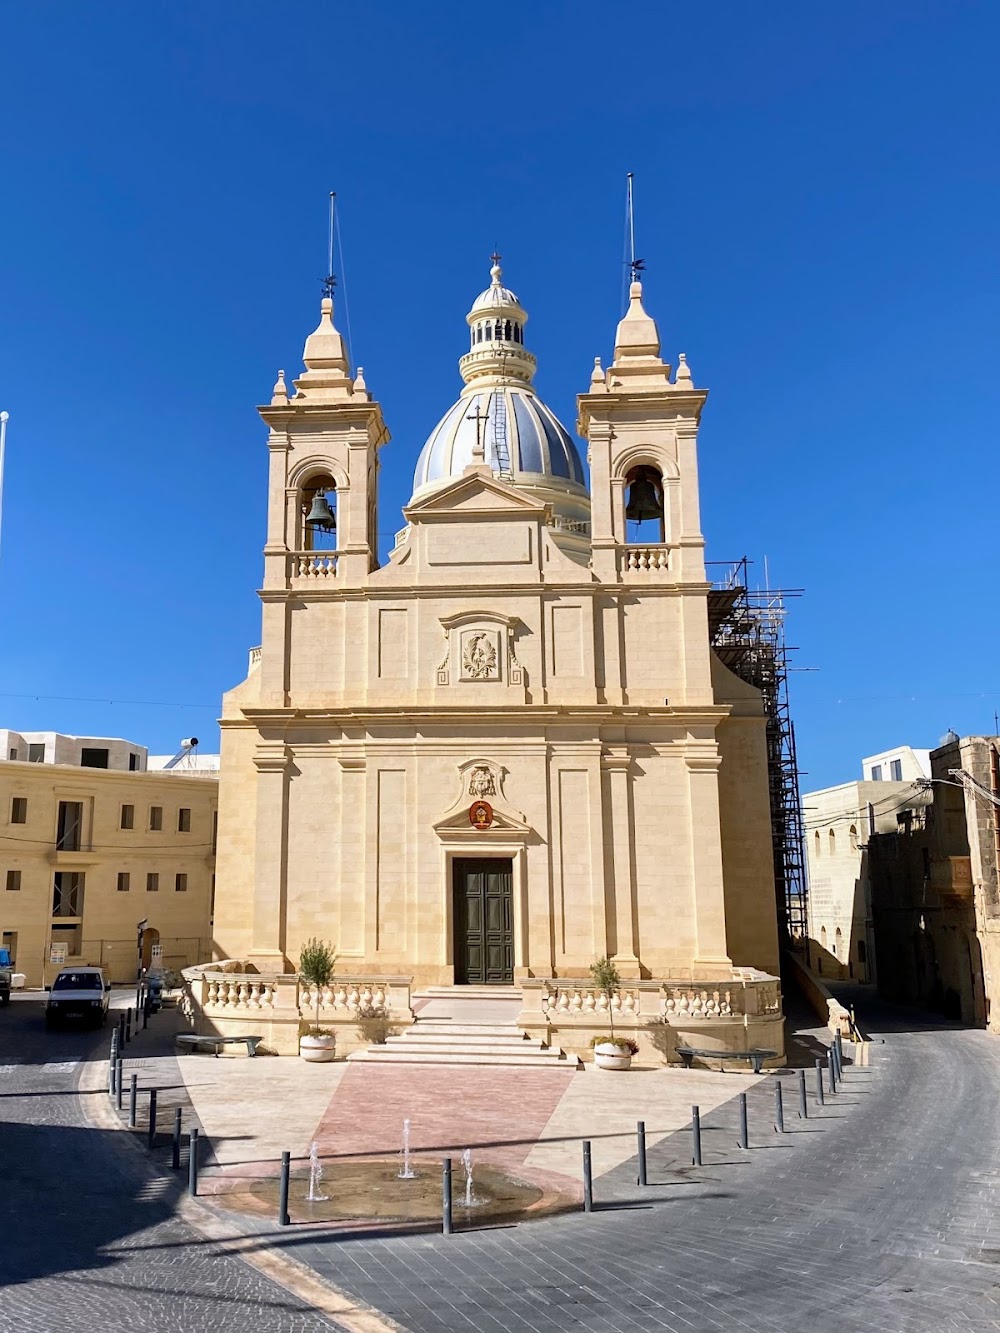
(508, 749)
(102, 862)
(935, 898)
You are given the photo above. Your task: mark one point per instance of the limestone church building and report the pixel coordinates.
(509, 748)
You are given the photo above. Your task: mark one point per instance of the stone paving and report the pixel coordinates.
(89, 1239)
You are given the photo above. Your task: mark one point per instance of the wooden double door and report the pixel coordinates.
(483, 920)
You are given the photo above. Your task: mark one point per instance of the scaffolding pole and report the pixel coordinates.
(747, 632)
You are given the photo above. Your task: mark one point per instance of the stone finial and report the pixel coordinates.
(360, 386)
(279, 394)
(637, 334)
(597, 374)
(683, 376)
(326, 376)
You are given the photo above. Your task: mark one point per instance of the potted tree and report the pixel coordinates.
(316, 963)
(610, 1052)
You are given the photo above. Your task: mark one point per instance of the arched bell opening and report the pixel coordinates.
(318, 513)
(644, 510)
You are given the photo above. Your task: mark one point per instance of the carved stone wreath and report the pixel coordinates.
(479, 657)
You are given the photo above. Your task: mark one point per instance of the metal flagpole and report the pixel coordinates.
(4, 417)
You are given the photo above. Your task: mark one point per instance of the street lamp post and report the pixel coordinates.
(140, 928)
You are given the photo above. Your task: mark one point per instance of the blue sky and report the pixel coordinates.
(817, 192)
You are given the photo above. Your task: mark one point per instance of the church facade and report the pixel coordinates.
(509, 749)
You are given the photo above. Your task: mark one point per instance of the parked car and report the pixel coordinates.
(79, 995)
(6, 976)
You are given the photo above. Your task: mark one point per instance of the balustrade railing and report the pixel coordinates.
(568, 1001)
(313, 564)
(219, 994)
(636, 559)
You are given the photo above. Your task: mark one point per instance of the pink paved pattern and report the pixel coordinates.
(497, 1112)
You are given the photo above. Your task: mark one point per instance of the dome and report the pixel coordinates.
(495, 296)
(523, 441)
(519, 434)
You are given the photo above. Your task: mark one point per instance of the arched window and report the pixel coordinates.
(854, 837)
(822, 936)
(838, 943)
(645, 519)
(318, 513)
(479, 333)
(517, 333)
(816, 843)
(506, 331)
(833, 843)
(489, 332)
(499, 332)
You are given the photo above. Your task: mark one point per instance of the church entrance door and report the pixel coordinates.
(484, 921)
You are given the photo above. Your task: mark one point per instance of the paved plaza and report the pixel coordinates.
(878, 1213)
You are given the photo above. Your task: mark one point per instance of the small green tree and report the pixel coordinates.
(607, 981)
(316, 963)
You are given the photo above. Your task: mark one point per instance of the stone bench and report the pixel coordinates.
(215, 1044)
(755, 1057)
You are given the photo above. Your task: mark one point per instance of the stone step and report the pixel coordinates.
(442, 1025)
(394, 1055)
(529, 1050)
(468, 993)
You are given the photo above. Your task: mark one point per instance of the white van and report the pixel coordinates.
(78, 995)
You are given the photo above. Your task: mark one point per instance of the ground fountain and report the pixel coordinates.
(315, 1176)
(471, 1199)
(406, 1171)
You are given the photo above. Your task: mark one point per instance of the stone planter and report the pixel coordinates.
(609, 1055)
(318, 1049)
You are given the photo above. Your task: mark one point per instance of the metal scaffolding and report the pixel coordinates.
(747, 631)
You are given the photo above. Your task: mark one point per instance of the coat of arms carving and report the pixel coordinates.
(482, 783)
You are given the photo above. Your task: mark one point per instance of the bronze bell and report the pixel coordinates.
(321, 517)
(644, 500)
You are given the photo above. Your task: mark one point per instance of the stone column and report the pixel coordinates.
(621, 879)
(711, 952)
(271, 759)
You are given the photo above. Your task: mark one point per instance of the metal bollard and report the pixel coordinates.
(744, 1129)
(145, 1017)
(133, 1095)
(138, 997)
(803, 1103)
(820, 1100)
(193, 1162)
(111, 1066)
(286, 1170)
(121, 1031)
(641, 1135)
(831, 1064)
(128, 1024)
(151, 1129)
(695, 1136)
(119, 1080)
(446, 1222)
(175, 1158)
(588, 1179)
(838, 1050)
(779, 1110)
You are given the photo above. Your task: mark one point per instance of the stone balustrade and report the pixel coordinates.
(313, 564)
(276, 1006)
(639, 559)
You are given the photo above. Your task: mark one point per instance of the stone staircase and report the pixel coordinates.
(466, 1025)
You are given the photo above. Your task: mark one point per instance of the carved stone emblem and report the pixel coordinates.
(479, 656)
(481, 782)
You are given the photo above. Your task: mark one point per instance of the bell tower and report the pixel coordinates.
(641, 428)
(322, 519)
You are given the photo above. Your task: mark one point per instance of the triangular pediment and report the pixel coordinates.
(476, 494)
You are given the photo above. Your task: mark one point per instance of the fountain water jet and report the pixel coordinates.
(315, 1175)
(406, 1171)
(470, 1200)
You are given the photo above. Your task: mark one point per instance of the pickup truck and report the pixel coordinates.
(6, 975)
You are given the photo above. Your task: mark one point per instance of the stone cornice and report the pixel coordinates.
(369, 592)
(510, 715)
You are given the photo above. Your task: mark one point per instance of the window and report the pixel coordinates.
(19, 810)
(133, 763)
(215, 831)
(36, 754)
(78, 981)
(69, 826)
(71, 936)
(862, 953)
(93, 757)
(896, 770)
(854, 837)
(10, 944)
(67, 894)
(13, 753)
(816, 842)
(833, 843)
(181, 883)
(152, 882)
(876, 772)
(13, 881)
(156, 818)
(128, 816)
(838, 943)
(183, 820)
(124, 881)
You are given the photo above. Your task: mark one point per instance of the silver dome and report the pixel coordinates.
(519, 433)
